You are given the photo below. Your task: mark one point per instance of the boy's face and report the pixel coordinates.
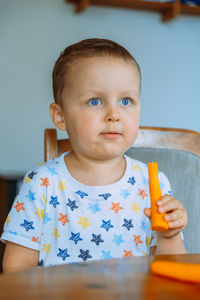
(101, 106)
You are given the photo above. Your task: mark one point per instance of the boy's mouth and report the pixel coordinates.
(111, 134)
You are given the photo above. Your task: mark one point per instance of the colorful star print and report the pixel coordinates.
(63, 254)
(35, 239)
(94, 208)
(105, 196)
(54, 201)
(116, 207)
(45, 182)
(46, 248)
(142, 193)
(136, 167)
(81, 194)
(8, 220)
(128, 224)
(55, 233)
(97, 239)
(63, 219)
(72, 204)
(31, 196)
(106, 254)
(84, 254)
(40, 213)
(75, 237)
(44, 199)
(125, 193)
(131, 180)
(52, 171)
(137, 239)
(117, 239)
(19, 206)
(27, 225)
(135, 207)
(127, 253)
(27, 180)
(84, 222)
(46, 218)
(62, 185)
(144, 225)
(107, 225)
(32, 174)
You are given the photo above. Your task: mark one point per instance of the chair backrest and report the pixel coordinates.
(177, 152)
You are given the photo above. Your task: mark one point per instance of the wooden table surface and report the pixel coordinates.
(125, 278)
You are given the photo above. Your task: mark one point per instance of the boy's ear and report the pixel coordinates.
(57, 116)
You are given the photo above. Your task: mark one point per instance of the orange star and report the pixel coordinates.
(142, 193)
(137, 239)
(34, 239)
(19, 206)
(116, 207)
(127, 253)
(63, 219)
(45, 181)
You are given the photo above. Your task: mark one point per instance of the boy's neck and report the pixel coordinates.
(93, 172)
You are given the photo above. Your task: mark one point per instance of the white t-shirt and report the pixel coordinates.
(67, 221)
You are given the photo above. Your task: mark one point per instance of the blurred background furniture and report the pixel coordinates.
(177, 152)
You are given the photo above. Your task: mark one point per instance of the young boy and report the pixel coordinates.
(93, 202)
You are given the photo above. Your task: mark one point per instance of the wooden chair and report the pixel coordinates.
(177, 152)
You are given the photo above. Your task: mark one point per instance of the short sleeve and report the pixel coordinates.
(24, 223)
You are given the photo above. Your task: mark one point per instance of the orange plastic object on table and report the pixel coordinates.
(177, 270)
(157, 221)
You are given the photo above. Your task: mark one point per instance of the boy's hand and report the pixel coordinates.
(176, 215)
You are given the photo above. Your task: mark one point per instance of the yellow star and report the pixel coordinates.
(55, 233)
(144, 253)
(148, 241)
(27, 179)
(62, 185)
(44, 199)
(135, 207)
(8, 219)
(46, 247)
(136, 167)
(40, 213)
(84, 222)
(42, 163)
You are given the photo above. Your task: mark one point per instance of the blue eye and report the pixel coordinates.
(125, 101)
(94, 102)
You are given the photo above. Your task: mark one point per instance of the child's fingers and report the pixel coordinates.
(147, 212)
(176, 224)
(174, 215)
(170, 204)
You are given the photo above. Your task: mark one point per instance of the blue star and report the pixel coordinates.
(128, 224)
(97, 239)
(54, 201)
(63, 254)
(81, 194)
(170, 193)
(27, 225)
(72, 204)
(145, 180)
(94, 208)
(144, 225)
(125, 193)
(13, 232)
(117, 239)
(75, 237)
(52, 171)
(46, 218)
(84, 254)
(132, 180)
(30, 175)
(107, 225)
(105, 196)
(31, 196)
(106, 254)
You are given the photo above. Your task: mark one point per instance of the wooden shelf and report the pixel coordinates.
(168, 10)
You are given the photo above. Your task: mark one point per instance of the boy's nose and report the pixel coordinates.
(112, 115)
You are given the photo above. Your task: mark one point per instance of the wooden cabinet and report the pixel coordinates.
(168, 10)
